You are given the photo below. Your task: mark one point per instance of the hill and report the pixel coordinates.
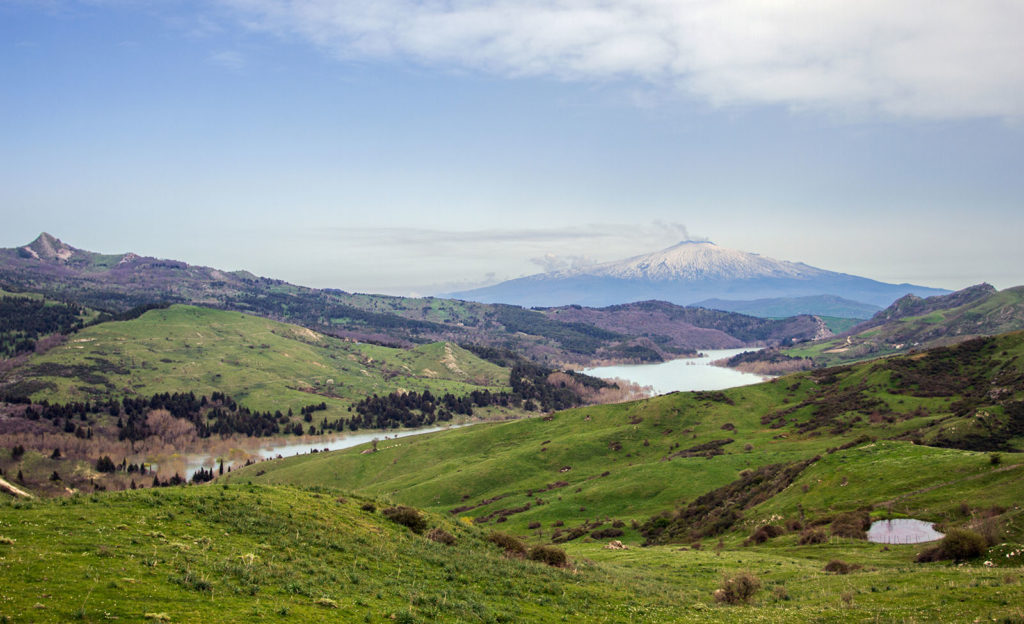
(628, 461)
(781, 307)
(262, 363)
(119, 283)
(913, 323)
(698, 475)
(687, 273)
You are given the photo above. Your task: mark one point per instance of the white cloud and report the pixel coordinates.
(228, 59)
(930, 59)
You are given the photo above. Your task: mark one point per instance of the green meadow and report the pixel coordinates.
(262, 364)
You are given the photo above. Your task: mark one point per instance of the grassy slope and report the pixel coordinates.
(1003, 311)
(261, 363)
(896, 478)
(249, 552)
(469, 466)
(245, 553)
(214, 554)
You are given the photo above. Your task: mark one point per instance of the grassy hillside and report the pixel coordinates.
(241, 553)
(913, 323)
(628, 461)
(273, 541)
(261, 363)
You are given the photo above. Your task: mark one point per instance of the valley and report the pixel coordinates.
(569, 498)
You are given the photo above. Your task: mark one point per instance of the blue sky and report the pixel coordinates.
(417, 147)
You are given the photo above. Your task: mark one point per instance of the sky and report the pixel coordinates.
(423, 147)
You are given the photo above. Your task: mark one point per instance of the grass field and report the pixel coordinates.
(241, 553)
(263, 364)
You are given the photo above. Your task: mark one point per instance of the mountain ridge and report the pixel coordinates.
(119, 282)
(685, 274)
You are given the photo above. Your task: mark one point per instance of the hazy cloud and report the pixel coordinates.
(913, 58)
(555, 240)
(550, 262)
(228, 59)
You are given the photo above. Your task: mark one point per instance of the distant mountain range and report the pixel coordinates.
(688, 273)
(781, 307)
(649, 331)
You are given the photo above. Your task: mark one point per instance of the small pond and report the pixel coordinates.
(902, 531)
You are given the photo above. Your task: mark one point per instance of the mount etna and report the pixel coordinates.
(691, 272)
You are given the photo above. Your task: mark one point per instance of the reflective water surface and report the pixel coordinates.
(682, 375)
(903, 531)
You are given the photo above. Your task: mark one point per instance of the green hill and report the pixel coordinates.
(629, 461)
(263, 364)
(913, 323)
(699, 475)
(243, 553)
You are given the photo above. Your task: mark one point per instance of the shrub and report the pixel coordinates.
(512, 545)
(551, 555)
(738, 589)
(406, 516)
(995, 459)
(765, 533)
(794, 524)
(852, 524)
(837, 566)
(440, 536)
(958, 545)
(533, 525)
(370, 507)
(812, 536)
(606, 533)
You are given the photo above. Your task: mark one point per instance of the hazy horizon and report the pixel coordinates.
(410, 148)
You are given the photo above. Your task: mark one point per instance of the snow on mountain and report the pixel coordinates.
(692, 260)
(687, 273)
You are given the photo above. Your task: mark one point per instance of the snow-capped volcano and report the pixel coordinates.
(692, 260)
(687, 273)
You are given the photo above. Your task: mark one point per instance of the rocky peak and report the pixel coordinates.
(48, 247)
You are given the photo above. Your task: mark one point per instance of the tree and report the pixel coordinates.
(55, 455)
(55, 476)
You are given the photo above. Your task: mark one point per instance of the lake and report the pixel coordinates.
(681, 375)
(902, 531)
(274, 448)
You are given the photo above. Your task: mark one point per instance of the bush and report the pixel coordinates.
(533, 525)
(512, 545)
(837, 566)
(852, 524)
(812, 536)
(995, 459)
(958, 545)
(551, 555)
(765, 533)
(606, 533)
(406, 516)
(794, 524)
(738, 589)
(370, 507)
(440, 536)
